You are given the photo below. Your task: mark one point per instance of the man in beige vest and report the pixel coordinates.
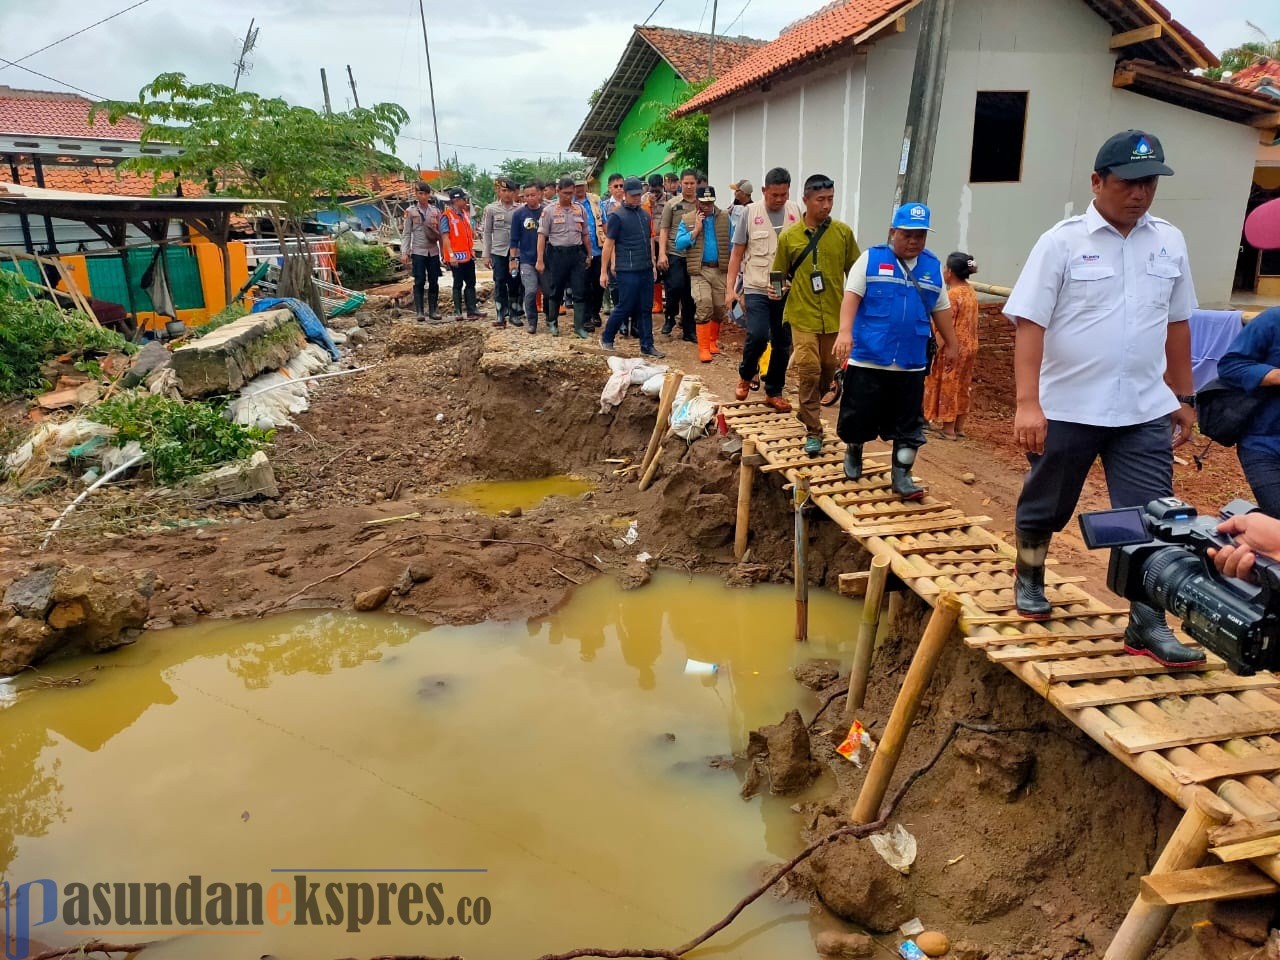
(755, 241)
(703, 239)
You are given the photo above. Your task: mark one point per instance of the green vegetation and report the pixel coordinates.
(32, 332)
(362, 264)
(685, 137)
(1235, 59)
(228, 314)
(182, 439)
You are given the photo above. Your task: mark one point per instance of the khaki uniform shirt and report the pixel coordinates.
(672, 211)
(565, 226)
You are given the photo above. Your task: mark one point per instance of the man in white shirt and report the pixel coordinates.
(1103, 368)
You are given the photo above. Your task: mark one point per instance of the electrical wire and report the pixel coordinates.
(96, 23)
(653, 11)
(737, 18)
(45, 76)
(473, 146)
(706, 3)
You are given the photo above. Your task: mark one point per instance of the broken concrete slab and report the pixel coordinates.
(67, 397)
(226, 359)
(32, 595)
(239, 481)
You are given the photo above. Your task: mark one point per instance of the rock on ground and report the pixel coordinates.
(371, 599)
(634, 575)
(783, 750)
(817, 674)
(848, 946)
(858, 886)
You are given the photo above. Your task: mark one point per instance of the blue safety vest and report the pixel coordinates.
(892, 326)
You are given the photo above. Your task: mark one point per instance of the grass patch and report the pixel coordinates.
(228, 314)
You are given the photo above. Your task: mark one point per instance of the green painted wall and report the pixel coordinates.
(629, 158)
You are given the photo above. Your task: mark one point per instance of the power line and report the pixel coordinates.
(473, 146)
(652, 12)
(45, 76)
(96, 23)
(738, 17)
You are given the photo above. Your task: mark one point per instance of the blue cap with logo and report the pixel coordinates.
(1133, 155)
(912, 216)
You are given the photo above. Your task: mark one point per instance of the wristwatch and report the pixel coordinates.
(1190, 400)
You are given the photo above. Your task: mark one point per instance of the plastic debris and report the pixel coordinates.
(632, 534)
(700, 668)
(909, 951)
(644, 556)
(912, 927)
(897, 848)
(692, 411)
(439, 418)
(268, 400)
(855, 743)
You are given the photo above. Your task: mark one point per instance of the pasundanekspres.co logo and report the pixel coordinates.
(194, 906)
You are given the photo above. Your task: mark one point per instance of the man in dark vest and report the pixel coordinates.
(628, 257)
(704, 239)
(893, 298)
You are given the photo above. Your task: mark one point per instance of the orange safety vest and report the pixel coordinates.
(462, 238)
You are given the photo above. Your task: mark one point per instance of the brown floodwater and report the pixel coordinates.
(495, 496)
(554, 773)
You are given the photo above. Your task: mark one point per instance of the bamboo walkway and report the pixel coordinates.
(1207, 739)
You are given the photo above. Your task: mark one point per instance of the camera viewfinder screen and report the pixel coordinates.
(1113, 528)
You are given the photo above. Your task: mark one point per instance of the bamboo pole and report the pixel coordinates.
(1145, 922)
(746, 471)
(885, 759)
(800, 495)
(871, 603)
(666, 399)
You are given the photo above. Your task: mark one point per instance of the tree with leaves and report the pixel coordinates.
(241, 144)
(547, 170)
(1235, 59)
(684, 137)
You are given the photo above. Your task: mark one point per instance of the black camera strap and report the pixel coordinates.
(812, 247)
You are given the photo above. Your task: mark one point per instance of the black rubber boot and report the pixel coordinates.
(668, 327)
(553, 327)
(1148, 635)
(580, 321)
(901, 482)
(1028, 585)
(853, 461)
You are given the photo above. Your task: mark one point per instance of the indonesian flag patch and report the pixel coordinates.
(886, 269)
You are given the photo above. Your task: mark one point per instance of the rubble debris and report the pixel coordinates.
(783, 750)
(69, 609)
(846, 946)
(856, 885)
(239, 481)
(634, 575)
(231, 356)
(817, 674)
(968, 950)
(65, 398)
(153, 356)
(371, 599)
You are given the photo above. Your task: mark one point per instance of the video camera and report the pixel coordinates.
(1160, 557)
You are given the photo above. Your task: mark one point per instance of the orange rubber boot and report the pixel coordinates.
(714, 339)
(704, 342)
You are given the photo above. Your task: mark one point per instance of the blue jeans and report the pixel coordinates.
(1262, 470)
(635, 303)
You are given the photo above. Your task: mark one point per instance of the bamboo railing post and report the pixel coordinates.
(885, 759)
(1187, 847)
(746, 472)
(666, 399)
(871, 604)
(800, 496)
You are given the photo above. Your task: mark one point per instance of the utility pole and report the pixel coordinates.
(352, 77)
(324, 82)
(924, 106)
(711, 47)
(431, 86)
(242, 65)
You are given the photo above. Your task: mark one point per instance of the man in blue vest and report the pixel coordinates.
(628, 257)
(893, 298)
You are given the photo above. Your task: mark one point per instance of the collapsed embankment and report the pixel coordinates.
(1031, 843)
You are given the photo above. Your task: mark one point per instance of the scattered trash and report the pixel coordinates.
(909, 951)
(968, 478)
(731, 446)
(854, 744)
(912, 927)
(268, 399)
(626, 371)
(700, 668)
(440, 417)
(643, 557)
(933, 943)
(897, 848)
(632, 534)
(953, 861)
(692, 411)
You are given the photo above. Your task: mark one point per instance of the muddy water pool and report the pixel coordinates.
(495, 496)
(555, 769)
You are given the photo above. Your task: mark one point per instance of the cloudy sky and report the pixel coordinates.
(511, 78)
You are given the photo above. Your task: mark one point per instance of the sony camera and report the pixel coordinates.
(1160, 557)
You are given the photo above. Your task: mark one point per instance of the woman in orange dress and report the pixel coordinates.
(946, 391)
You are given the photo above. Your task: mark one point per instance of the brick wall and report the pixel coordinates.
(993, 389)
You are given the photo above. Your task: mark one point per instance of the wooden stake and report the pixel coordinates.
(866, 635)
(745, 476)
(800, 495)
(1145, 921)
(885, 759)
(666, 399)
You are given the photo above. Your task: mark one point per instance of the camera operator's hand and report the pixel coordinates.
(1254, 533)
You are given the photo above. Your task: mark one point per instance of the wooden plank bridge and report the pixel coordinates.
(1206, 738)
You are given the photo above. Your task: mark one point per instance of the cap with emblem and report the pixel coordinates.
(744, 185)
(706, 193)
(633, 186)
(911, 216)
(1133, 155)
(456, 192)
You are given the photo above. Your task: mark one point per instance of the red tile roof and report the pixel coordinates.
(43, 113)
(854, 22)
(101, 180)
(1262, 72)
(686, 51)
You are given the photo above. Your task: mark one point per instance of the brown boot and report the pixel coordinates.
(704, 342)
(714, 340)
(777, 403)
(743, 390)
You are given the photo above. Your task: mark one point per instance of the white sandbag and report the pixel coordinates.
(692, 411)
(624, 372)
(653, 386)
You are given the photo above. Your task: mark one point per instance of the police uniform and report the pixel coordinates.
(567, 251)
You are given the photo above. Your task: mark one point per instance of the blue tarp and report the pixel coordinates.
(314, 330)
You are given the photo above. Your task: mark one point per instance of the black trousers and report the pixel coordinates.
(1137, 461)
(506, 288)
(1262, 470)
(679, 295)
(595, 292)
(882, 403)
(426, 273)
(765, 328)
(464, 287)
(566, 270)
